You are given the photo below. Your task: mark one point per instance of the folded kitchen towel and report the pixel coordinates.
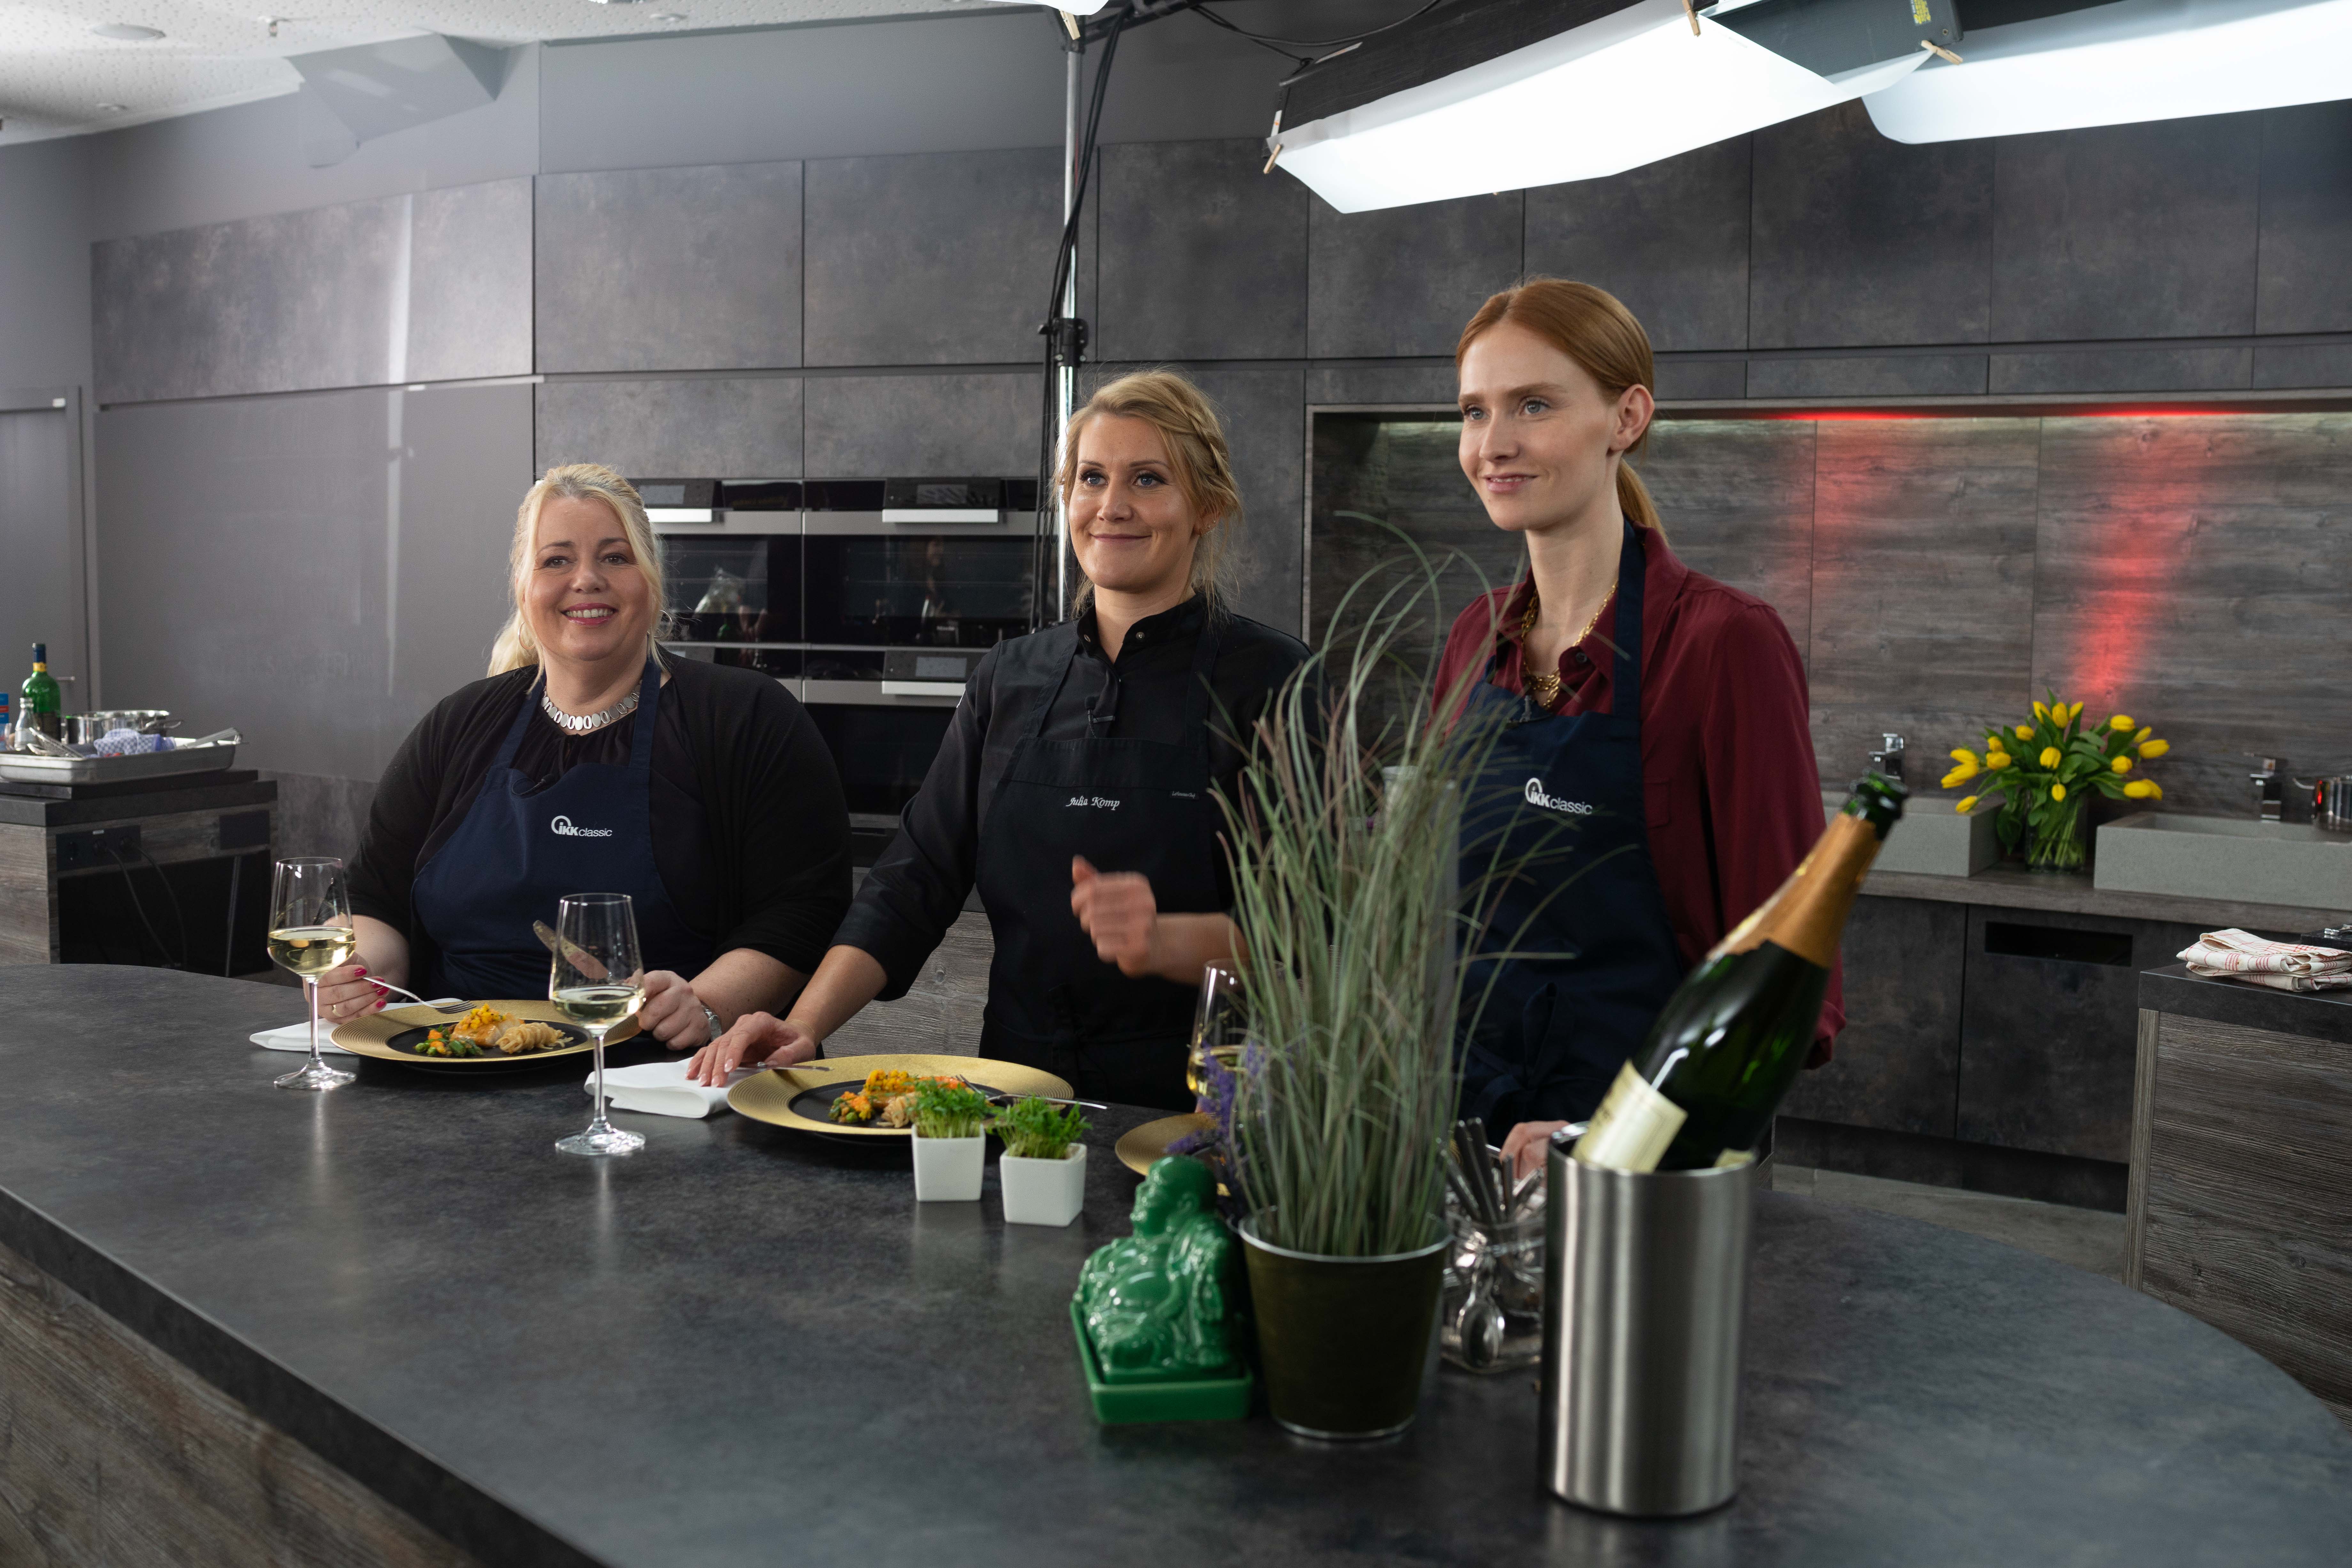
(660, 1088)
(297, 1037)
(2283, 965)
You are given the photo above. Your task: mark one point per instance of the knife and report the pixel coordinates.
(571, 952)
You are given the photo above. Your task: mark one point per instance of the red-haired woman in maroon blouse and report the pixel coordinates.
(1653, 747)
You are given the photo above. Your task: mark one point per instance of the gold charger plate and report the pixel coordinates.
(769, 1098)
(372, 1036)
(1143, 1146)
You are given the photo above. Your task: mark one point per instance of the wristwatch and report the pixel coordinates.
(710, 1018)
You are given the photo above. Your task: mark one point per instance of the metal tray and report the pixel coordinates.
(27, 768)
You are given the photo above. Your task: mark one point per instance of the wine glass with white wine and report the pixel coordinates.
(596, 981)
(310, 932)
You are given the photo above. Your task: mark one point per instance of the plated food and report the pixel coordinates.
(806, 1096)
(887, 1096)
(486, 1037)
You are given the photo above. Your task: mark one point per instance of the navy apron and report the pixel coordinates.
(1126, 805)
(519, 851)
(1555, 1030)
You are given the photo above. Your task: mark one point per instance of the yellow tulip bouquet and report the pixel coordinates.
(2045, 772)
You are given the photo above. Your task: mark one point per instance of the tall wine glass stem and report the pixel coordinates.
(311, 986)
(596, 1033)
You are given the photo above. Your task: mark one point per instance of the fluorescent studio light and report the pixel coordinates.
(2136, 59)
(1074, 7)
(1626, 89)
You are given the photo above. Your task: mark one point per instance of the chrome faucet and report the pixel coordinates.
(1888, 758)
(2270, 789)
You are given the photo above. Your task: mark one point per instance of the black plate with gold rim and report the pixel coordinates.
(801, 1098)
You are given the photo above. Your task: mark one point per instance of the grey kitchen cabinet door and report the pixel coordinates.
(1201, 256)
(1897, 1064)
(2048, 1032)
(933, 258)
(671, 268)
(1403, 281)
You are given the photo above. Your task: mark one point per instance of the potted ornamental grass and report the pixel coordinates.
(1044, 1168)
(950, 1145)
(1355, 923)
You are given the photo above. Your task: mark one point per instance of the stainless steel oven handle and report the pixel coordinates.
(923, 516)
(923, 688)
(882, 693)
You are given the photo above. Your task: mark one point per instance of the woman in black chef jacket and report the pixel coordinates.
(583, 766)
(1073, 788)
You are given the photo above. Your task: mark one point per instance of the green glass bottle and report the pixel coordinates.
(1734, 1035)
(43, 707)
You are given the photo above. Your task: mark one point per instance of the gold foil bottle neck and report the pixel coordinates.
(1807, 914)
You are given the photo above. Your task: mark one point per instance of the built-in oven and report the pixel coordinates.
(871, 599)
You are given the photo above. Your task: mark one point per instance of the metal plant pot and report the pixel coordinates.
(1343, 1342)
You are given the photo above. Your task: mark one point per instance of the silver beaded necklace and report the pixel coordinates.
(587, 724)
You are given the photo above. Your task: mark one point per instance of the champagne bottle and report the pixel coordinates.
(1734, 1035)
(43, 707)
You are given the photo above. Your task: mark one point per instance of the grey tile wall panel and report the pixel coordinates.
(705, 427)
(289, 302)
(671, 268)
(1737, 499)
(2286, 366)
(41, 587)
(1403, 281)
(2125, 370)
(1862, 241)
(1924, 537)
(264, 545)
(1891, 375)
(2127, 231)
(1264, 414)
(2192, 574)
(1669, 238)
(2307, 220)
(1201, 256)
(932, 258)
(1406, 384)
(1710, 379)
(318, 815)
(470, 283)
(872, 426)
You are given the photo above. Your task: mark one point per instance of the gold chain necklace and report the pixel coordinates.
(1545, 686)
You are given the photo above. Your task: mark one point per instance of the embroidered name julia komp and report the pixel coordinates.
(1536, 796)
(562, 828)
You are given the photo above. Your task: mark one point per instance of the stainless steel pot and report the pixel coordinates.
(85, 729)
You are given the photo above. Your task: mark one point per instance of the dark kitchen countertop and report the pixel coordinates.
(744, 1347)
(2012, 886)
(2314, 1015)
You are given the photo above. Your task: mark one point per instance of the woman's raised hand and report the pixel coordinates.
(346, 993)
(1117, 910)
(672, 1012)
(1523, 1151)
(756, 1037)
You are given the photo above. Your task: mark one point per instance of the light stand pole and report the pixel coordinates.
(1065, 374)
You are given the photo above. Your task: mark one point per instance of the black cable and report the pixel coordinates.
(1208, 15)
(132, 887)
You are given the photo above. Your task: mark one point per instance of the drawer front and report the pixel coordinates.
(1897, 1063)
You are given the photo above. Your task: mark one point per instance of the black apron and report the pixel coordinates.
(1126, 805)
(1555, 1031)
(518, 852)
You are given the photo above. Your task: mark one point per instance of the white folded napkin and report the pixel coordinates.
(2282, 965)
(297, 1037)
(660, 1088)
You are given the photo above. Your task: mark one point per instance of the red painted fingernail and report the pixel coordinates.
(360, 969)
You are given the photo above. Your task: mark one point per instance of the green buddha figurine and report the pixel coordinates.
(1155, 1302)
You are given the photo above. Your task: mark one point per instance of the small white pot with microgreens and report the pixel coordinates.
(951, 1142)
(1043, 1170)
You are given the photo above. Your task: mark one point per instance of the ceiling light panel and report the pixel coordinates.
(2133, 60)
(1630, 89)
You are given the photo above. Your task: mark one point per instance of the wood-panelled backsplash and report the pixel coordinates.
(2191, 571)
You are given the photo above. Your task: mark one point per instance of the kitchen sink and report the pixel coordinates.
(2225, 858)
(1933, 838)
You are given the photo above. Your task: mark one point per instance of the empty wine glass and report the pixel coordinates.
(596, 980)
(1220, 1024)
(310, 932)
